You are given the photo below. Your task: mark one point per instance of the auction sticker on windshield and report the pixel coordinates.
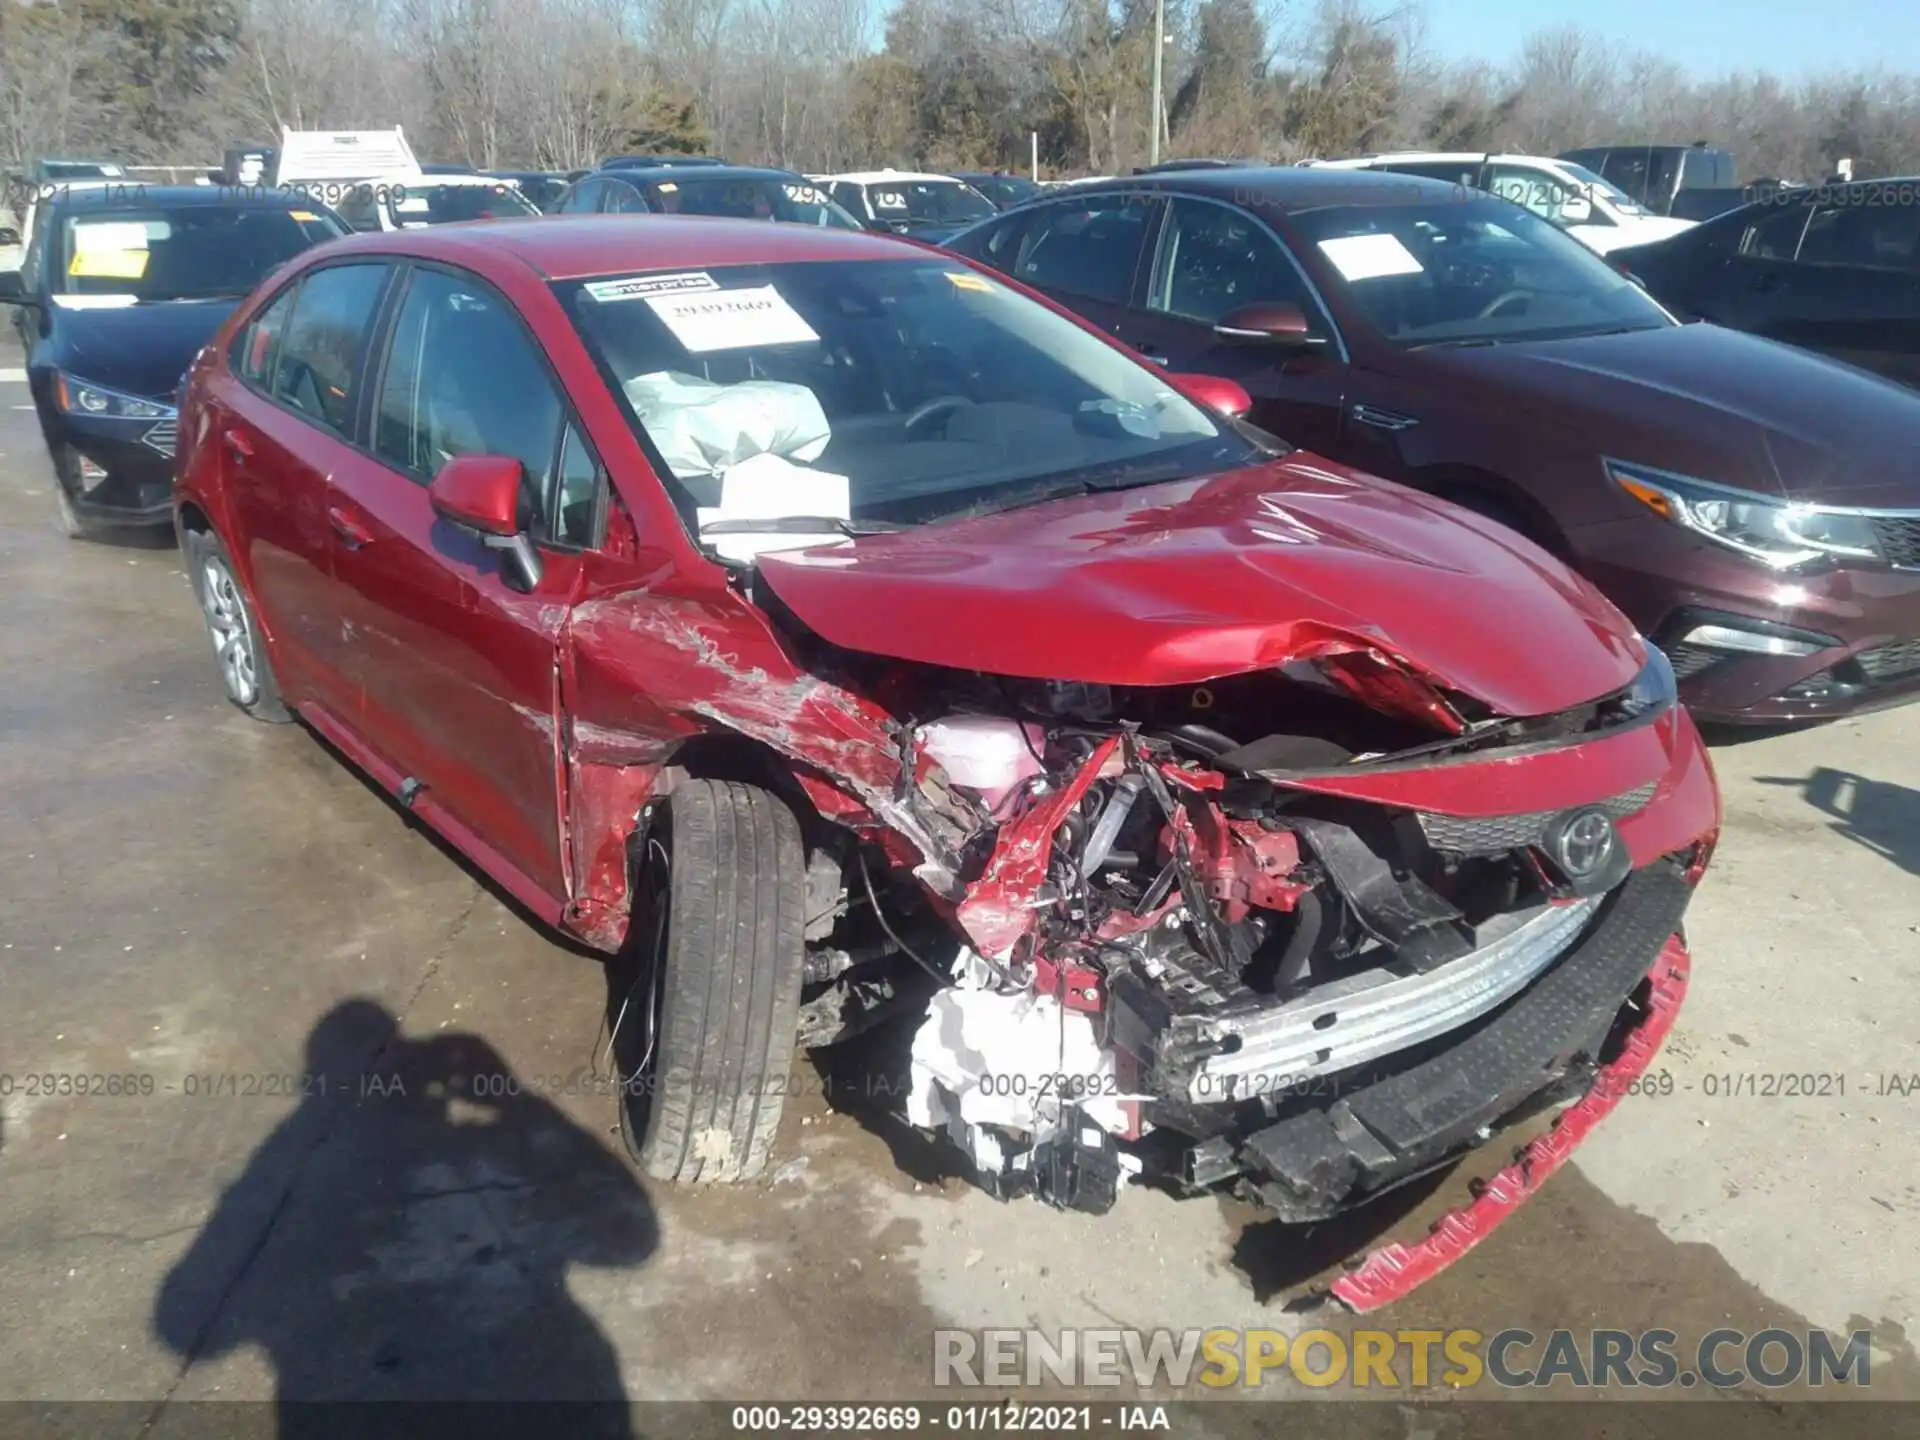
(965, 280)
(1368, 257)
(732, 319)
(633, 289)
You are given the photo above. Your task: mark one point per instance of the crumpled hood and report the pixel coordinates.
(1189, 581)
(1718, 405)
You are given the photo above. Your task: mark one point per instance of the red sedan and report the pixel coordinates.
(829, 629)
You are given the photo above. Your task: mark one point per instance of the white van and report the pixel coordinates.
(1598, 214)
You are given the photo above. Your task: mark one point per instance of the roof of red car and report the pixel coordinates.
(569, 247)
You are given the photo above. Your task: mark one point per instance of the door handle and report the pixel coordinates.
(1767, 280)
(352, 533)
(238, 446)
(1147, 352)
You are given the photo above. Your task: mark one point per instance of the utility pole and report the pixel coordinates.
(1159, 56)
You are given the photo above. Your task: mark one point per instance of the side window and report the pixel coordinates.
(1213, 260)
(576, 493)
(1533, 190)
(463, 378)
(1776, 234)
(849, 196)
(622, 199)
(1088, 247)
(321, 343)
(584, 198)
(1862, 234)
(1628, 170)
(257, 345)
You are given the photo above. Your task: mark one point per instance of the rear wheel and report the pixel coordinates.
(704, 1029)
(237, 645)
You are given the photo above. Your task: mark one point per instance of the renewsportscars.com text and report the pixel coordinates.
(1400, 1359)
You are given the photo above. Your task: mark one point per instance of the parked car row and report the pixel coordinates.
(1449, 343)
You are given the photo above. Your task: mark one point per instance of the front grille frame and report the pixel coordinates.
(1501, 834)
(1899, 539)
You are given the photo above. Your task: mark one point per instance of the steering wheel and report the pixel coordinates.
(1499, 302)
(932, 409)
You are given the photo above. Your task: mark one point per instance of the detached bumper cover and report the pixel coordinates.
(1326, 1159)
(1395, 1270)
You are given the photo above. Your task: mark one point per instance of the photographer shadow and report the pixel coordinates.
(405, 1236)
(1880, 815)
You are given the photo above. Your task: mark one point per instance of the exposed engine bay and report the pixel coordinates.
(1154, 944)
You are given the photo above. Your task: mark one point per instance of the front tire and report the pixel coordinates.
(704, 1033)
(66, 482)
(238, 647)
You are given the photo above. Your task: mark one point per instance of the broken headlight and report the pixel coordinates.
(1780, 535)
(1654, 688)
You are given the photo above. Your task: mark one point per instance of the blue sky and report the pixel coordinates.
(1791, 38)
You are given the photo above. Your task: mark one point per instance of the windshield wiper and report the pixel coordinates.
(1465, 342)
(798, 525)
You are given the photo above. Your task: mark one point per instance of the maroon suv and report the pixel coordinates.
(1753, 508)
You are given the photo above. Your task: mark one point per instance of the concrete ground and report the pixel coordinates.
(197, 901)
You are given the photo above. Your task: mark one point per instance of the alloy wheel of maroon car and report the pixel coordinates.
(830, 632)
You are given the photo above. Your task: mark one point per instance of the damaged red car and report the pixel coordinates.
(837, 632)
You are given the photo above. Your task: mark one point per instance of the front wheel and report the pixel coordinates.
(705, 1025)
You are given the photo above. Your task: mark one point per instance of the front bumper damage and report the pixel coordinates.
(1316, 999)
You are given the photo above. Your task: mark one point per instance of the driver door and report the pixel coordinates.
(1213, 258)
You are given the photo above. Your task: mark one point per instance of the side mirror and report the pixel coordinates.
(1215, 393)
(481, 494)
(1576, 210)
(1267, 323)
(9, 235)
(13, 290)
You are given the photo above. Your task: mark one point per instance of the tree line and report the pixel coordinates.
(835, 84)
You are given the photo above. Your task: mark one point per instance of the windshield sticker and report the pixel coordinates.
(411, 204)
(889, 200)
(1368, 257)
(683, 283)
(108, 264)
(965, 280)
(732, 319)
(115, 235)
(305, 217)
(666, 187)
(804, 195)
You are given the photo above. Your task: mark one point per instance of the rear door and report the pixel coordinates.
(1853, 288)
(1087, 252)
(458, 667)
(281, 420)
(1210, 259)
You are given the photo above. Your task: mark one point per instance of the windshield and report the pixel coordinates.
(1005, 189)
(1595, 185)
(926, 202)
(1472, 272)
(194, 252)
(889, 392)
(411, 206)
(793, 201)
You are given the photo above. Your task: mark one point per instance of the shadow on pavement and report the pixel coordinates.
(406, 1235)
(1882, 816)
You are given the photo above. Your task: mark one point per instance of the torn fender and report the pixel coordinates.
(1394, 1271)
